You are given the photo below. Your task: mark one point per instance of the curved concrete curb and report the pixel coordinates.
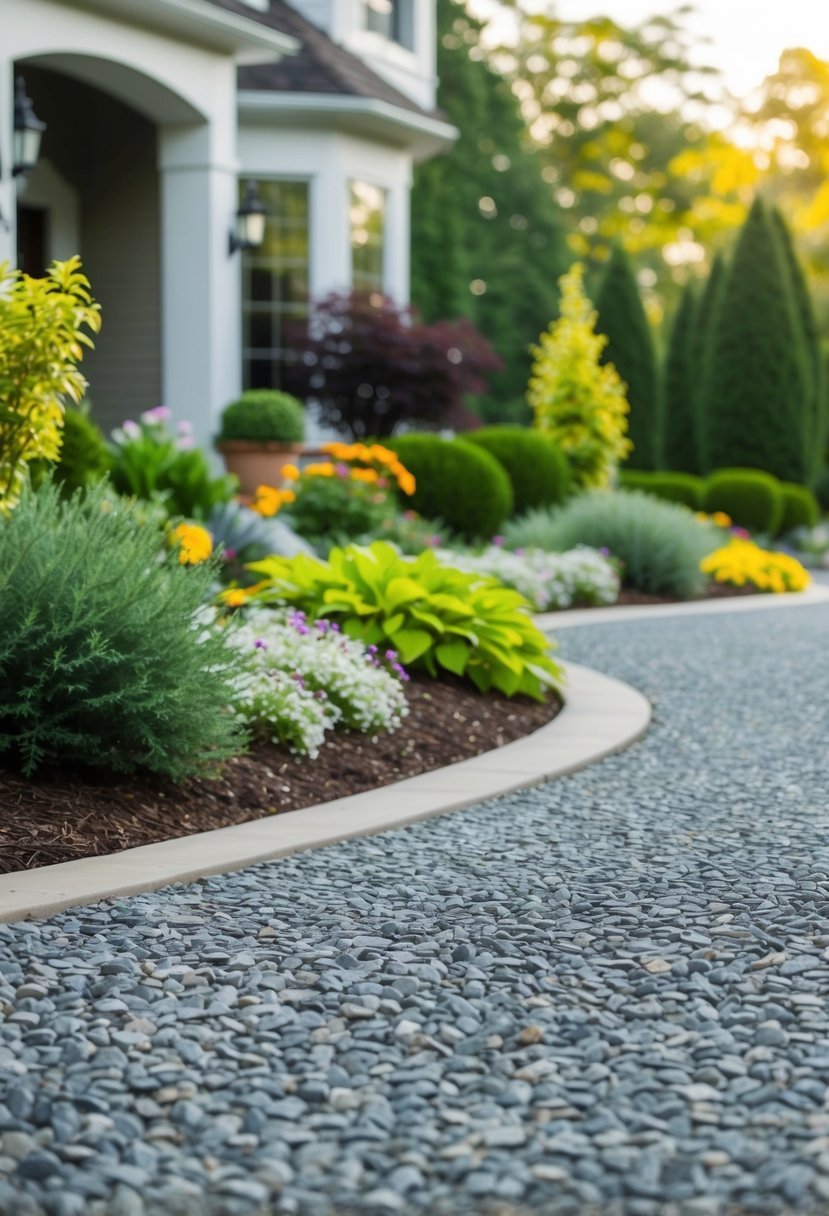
(550, 622)
(601, 716)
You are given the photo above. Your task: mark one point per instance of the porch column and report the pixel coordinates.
(8, 197)
(200, 280)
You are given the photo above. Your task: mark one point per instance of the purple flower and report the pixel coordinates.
(230, 555)
(498, 541)
(298, 678)
(391, 655)
(372, 649)
(335, 627)
(260, 644)
(604, 551)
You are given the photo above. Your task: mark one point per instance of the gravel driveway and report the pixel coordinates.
(608, 994)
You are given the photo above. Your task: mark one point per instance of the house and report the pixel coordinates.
(159, 115)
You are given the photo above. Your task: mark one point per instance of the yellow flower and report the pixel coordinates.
(721, 519)
(195, 543)
(319, 470)
(742, 561)
(381, 455)
(234, 597)
(290, 472)
(288, 496)
(369, 476)
(407, 483)
(267, 501)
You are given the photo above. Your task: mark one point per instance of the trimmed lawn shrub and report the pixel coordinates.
(660, 544)
(800, 507)
(536, 466)
(457, 482)
(106, 657)
(684, 488)
(751, 497)
(263, 415)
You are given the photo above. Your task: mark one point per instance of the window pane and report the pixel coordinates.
(367, 215)
(392, 19)
(275, 281)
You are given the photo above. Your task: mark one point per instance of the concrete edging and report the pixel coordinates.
(600, 716)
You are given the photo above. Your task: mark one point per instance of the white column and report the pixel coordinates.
(330, 236)
(200, 279)
(8, 198)
(396, 269)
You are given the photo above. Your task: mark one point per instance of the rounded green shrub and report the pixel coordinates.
(660, 544)
(457, 482)
(264, 416)
(822, 488)
(84, 455)
(536, 466)
(683, 488)
(752, 498)
(107, 660)
(800, 507)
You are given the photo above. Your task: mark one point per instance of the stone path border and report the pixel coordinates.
(601, 716)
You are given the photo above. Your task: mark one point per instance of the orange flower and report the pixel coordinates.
(369, 476)
(290, 472)
(195, 543)
(234, 597)
(319, 470)
(267, 501)
(407, 483)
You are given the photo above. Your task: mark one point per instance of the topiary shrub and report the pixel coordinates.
(660, 544)
(263, 415)
(751, 497)
(457, 482)
(684, 488)
(800, 507)
(536, 466)
(106, 658)
(84, 455)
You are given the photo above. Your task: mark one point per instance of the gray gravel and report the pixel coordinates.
(604, 995)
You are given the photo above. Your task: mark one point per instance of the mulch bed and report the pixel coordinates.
(61, 817)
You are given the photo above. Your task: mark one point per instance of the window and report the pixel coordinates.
(368, 221)
(274, 282)
(392, 19)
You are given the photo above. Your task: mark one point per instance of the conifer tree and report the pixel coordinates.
(630, 348)
(678, 387)
(487, 240)
(755, 398)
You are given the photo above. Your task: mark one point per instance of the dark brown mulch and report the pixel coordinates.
(60, 818)
(715, 591)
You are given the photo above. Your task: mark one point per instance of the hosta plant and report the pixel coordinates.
(433, 615)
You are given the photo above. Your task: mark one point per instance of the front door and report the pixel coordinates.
(32, 240)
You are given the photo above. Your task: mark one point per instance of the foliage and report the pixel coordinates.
(241, 535)
(432, 615)
(84, 455)
(550, 581)
(800, 507)
(487, 240)
(151, 463)
(743, 563)
(577, 401)
(621, 318)
(457, 482)
(108, 658)
(411, 533)
(659, 544)
(755, 408)
(372, 367)
(301, 679)
(673, 487)
(537, 468)
(751, 497)
(679, 380)
(822, 488)
(263, 415)
(44, 326)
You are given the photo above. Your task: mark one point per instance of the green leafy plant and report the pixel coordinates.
(108, 657)
(538, 470)
(457, 482)
(822, 488)
(149, 462)
(660, 544)
(752, 498)
(800, 507)
(84, 455)
(684, 488)
(264, 416)
(432, 615)
(45, 324)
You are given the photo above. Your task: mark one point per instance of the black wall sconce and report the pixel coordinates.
(249, 232)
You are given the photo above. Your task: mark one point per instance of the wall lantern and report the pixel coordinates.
(28, 131)
(249, 232)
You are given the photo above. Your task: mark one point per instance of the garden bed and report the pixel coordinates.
(62, 817)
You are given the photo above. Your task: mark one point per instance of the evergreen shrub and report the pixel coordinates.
(84, 455)
(752, 498)
(536, 466)
(457, 482)
(801, 508)
(106, 659)
(684, 488)
(822, 488)
(264, 416)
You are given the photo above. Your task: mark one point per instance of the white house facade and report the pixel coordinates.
(159, 113)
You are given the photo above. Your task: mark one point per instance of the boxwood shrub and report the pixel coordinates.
(536, 466)
(752, 498)
(800, 507)
(263, 415)
(684, 488)
(457, 482)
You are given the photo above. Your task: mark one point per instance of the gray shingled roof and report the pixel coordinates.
(320, 66)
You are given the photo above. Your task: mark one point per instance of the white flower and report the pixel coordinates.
(548, 580)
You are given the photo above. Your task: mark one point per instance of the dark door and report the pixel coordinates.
(32, 240)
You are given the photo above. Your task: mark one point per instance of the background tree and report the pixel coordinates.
(371, 366)
(755, 407)
(621, 318)
(679, 381)
(487, 238)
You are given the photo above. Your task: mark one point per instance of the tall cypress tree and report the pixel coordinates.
(630, 348)
(487, 241)
(755, 398)
(815, 419)
(679, 414)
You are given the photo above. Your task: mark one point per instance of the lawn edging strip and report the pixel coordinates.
(601, 715)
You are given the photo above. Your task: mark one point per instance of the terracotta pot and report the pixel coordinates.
(257, 464)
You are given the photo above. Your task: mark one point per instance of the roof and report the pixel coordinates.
(319, 67)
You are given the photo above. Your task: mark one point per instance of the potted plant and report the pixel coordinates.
(259, 434)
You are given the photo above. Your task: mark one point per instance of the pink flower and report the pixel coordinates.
(159, 413)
